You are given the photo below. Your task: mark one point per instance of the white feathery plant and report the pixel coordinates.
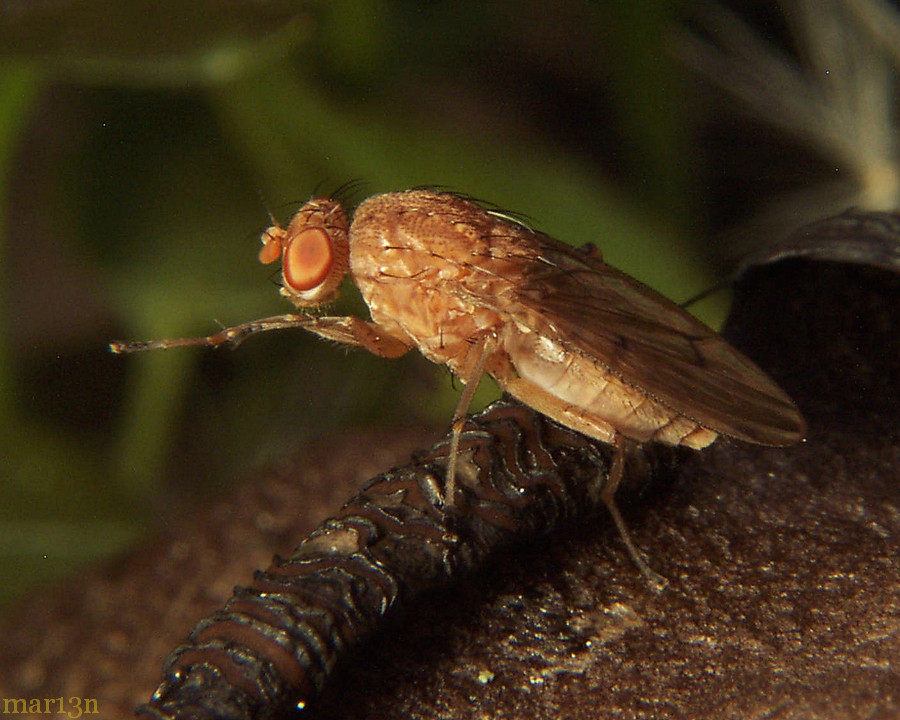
(839, 101)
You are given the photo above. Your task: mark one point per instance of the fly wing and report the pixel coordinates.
(651, 343)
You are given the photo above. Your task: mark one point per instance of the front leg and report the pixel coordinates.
(348, 330)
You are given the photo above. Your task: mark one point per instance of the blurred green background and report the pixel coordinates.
(141, 150)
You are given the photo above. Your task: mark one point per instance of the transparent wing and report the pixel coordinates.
(651, 343)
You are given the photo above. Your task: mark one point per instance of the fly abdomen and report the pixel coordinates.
(580, 392)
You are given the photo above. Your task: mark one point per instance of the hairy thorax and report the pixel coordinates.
(425, 273)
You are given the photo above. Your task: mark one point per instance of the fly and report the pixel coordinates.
(556, 327)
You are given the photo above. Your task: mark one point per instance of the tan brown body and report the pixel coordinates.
(569, 335)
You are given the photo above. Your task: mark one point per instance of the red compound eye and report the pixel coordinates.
(308, 259)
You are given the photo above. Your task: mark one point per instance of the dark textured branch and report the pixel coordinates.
(275, 642)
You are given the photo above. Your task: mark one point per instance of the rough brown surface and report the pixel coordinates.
(784, 595)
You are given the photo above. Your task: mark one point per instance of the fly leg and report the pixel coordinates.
(472, 372)
(227, 336)
(347, 330)
(608, 496)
